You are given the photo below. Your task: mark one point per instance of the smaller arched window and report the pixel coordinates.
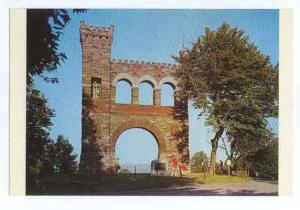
(167, 94)
(123, 92)
(146, 93)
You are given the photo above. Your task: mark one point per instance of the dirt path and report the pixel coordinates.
(254, 188)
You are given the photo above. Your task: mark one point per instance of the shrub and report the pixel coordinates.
(124, 171)
(199, 162)
(265, 161)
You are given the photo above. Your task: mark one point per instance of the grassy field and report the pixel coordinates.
(75, 184)
(218, 179)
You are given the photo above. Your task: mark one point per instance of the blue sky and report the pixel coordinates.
(149, 35)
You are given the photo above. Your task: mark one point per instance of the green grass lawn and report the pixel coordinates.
(217, 179)
(76, 184)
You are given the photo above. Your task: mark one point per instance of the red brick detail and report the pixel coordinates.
(157, 72)
(136, 69)
(175, 129)
(142, 110)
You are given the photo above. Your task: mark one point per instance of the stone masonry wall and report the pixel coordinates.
(107, 120)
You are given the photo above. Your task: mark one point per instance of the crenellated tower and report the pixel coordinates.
(96, 90)
(104, 120)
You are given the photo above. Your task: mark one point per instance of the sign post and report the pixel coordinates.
(228, 162)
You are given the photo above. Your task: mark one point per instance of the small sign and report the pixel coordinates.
(228, 162)
(160, 166)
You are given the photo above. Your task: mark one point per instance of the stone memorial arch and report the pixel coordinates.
(104, 120)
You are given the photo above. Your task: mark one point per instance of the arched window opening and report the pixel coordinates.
(123, 92)
(136, 148)
(146, 93)
(167, 95)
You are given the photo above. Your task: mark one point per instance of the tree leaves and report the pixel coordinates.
(265, 160)
(44, 28)
(62, 159)
(230, 80)
(199, 162)
(38, 123)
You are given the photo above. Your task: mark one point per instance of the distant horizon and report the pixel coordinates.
(140, 167)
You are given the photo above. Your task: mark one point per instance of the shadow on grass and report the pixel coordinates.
(270, 181)
(145, 184)
(190, 191)
(110, 184)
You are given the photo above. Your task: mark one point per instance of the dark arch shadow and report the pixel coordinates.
(90, 158)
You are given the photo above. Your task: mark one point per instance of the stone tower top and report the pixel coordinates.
(95, 32)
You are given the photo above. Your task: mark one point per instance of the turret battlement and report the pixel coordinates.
(95, 31)
(156, 64)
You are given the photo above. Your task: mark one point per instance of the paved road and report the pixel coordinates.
(254, 188)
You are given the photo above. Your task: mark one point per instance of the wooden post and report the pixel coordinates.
(228, 165)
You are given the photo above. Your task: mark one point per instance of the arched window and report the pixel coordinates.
(146, 93)
(167, 95)
(123, 92)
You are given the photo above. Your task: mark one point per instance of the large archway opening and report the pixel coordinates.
(135, 149)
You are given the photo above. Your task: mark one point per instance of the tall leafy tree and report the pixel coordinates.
(64, 159)
(44, 28)
(38, 125)
(231, 82)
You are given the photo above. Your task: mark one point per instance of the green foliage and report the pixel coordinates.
(265, 161)
(77, 184)
(124, 171)
(38, 124)
(64, 160)
(218, 179)
(43, 156)
(233, 84)
(241, 167)
(44, 28)
(231, 80)
(199, 162)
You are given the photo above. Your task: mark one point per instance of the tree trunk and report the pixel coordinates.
(214, 147)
